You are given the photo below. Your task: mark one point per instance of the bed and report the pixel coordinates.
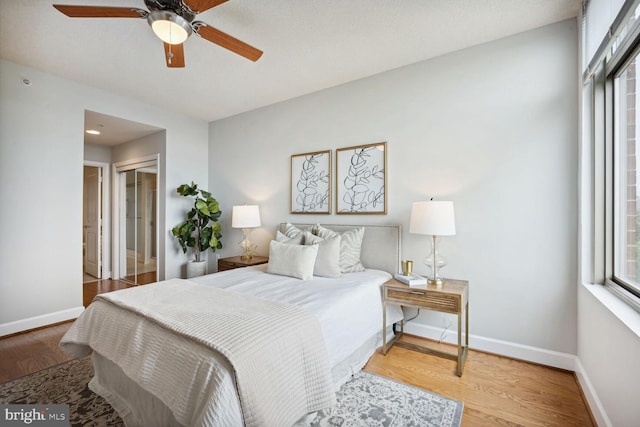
(161, 352)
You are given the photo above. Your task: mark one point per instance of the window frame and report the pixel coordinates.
(614, 66)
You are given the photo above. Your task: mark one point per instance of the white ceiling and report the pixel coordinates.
(308, 45)
(114, 130)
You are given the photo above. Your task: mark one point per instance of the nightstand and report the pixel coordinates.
(237, 262)
(452, 297)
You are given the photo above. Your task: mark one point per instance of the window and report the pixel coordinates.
(611, 126)
(626, 226)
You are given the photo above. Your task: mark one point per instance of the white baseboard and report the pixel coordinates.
(503, 348)
(38, 321)
(589, 392)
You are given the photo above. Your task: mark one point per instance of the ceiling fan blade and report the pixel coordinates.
(75, 11)
(174, 55)
(226, 41)
(200, 6)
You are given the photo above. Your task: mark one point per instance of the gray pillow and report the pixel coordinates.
(328, 259)
(291, 231)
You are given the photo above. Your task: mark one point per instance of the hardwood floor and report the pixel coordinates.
(143, 278)
(28, 352)
(495, 390)
(91, 289)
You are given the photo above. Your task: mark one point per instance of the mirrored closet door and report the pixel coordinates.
(138, 194)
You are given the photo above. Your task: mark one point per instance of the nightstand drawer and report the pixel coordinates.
(226, 265)
(237, 262)
(428, 300)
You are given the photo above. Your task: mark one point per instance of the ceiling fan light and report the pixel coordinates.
(169, 27)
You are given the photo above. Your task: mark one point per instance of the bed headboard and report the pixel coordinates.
(380, 245)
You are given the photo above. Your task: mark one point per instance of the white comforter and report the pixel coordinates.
(349, 308)
(349, 311)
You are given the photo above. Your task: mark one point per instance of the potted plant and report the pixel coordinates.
(200, 231)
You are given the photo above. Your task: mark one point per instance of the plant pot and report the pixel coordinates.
(196, 269)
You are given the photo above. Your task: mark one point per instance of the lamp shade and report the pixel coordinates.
(245, 216)
(434, 218)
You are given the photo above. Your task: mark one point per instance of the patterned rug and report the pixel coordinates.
(366, 400)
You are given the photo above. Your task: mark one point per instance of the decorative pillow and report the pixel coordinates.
(298, 240)
(350, 247)
(291, 231)
(292, 260)
(328, 259)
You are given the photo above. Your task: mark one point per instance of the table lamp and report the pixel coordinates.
(246, 217)
(433, 218)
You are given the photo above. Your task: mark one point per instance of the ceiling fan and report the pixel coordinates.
(173, 22)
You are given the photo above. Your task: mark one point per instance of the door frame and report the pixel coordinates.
(118, 202)
(105, 214)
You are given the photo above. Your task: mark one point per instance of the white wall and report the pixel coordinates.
(41, 161)
(97, 153)
(493, 128)
(142, 147)
(608, 350)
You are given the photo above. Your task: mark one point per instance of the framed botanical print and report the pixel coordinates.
(361, 182)
(311, 183)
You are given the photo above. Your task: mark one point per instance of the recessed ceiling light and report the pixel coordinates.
(93, 132)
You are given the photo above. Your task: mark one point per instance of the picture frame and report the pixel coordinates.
(361, 179)
(311, 183)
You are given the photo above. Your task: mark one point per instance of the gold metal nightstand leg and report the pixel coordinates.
(384, 328)
(459, 344)
(463, 350)
(386, 346)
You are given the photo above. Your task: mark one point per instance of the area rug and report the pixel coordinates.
(366, 400)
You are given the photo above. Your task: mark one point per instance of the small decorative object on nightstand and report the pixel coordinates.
(239, 262)
(452, 297)
(407, 267)
(407, 276)
(411, 280)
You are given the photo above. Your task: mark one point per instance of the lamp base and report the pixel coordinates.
(435, 261)
(248, 248)
(437, 282)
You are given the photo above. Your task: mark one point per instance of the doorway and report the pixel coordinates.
(119, 145)
(137, 212)
(95, 207)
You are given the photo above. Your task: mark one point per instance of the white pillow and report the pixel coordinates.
(350, 247)
(298, 240)
(292, 260)
(328, 259)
